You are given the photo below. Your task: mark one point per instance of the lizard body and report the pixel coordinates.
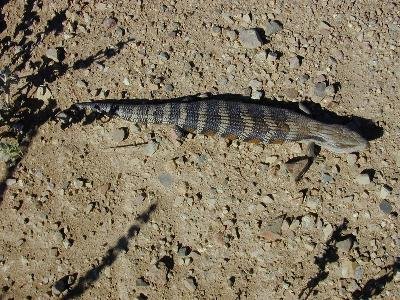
(247, 121)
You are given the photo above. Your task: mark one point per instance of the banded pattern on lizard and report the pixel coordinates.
(247, 121)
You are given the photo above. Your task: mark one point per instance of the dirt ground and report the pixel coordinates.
(205, 218)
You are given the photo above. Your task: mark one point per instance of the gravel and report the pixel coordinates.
(53, 54)
(190, 284)
(273, 27)
(319, 89)
(363, 179)
(250, 38)
(386, 207)
(164, 56)
(119, 134)
(272, 56)
(109, 23)
(294, 62)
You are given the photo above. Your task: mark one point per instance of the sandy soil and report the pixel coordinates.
(205, 218)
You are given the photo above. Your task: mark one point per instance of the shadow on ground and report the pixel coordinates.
(22, 117)
(91, 276)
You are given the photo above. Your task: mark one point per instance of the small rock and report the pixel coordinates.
(256, 95)
(165, 179)
(150, 148)
(385, 191)
(261, 56)
(190, 283)
(61, 285)
(11, 181)
(126, 81)
(297, 167)
(216, 30)
(326, 178)
(141, 282)
(53, 54)
(250, 38)
(255, 84)
(183, 251)
(307, 221)
(386, 207)
(330, 90)
(119, 134)
(351, 159)
(231, 34)
(78, 183)
(272, 56)
(323, 25)
(164, 56)
(273, 27)
(303, 78)
(327, 231)
(345, 245)
(312, 202)
(81, 84)
(43, 93)
(169, 87)
(347, 269)
(247, 18)
(358, 272)
(363, 179)
(294, 62)
(319, 89)
(291, 93)
(109, 23)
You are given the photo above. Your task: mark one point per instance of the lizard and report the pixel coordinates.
(245, 121)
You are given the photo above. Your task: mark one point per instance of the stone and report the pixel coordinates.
(297, 167)
(190, 284)
(363, 179)
(150, 148)
(256, 95)
(231, 34)
(294, 62)
(141, 282)
(327, 231)
(345, 245)
(347, 269)
(168, 87)
(386, 207)
(319, 89)
(255, 84)
(166, 180)
(272, 56)
(109, 23)
(330, 90)
(250, 38)
(53, 54)
(385, 191)
(119, 134)
(164, 56)
(261, 56)
(273, 27)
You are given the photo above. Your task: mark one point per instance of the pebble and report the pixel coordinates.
(126, 81)
(141, 282)
(169, 87)
(273, 27)
(109, 23)
(164, 56)
(326, 178)
(256, 95)
(190, 284)
(297, 167)
(216, 30)
(358, 272)
(11, 181)
(294, 62)
(327, 231)
(385, 191)
(231, 34)
(363, 179)
(150, 148)
(78, 183)
(165, 179)
(330, 90)
(261, 56)
(272, 56)
(347, 269)
(255, 84)
(386, 207)
(250, 38)
(351, 159)
(345, 245)
(53, 54)
(312, 202)
(303, 78)
(61, 285)
(319, 89)
(119, 134)
(81, 84)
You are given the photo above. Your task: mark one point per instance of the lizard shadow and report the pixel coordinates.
(365, 127)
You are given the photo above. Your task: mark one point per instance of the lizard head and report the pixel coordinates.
(339, 139)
